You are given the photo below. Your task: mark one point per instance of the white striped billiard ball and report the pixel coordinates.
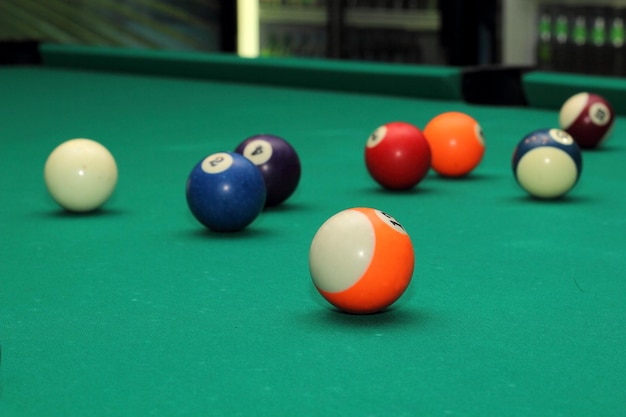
(361, 260)
(588, 118)
(80, 174)
(547, 163)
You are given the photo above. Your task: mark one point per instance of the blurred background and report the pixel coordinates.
(581, 36)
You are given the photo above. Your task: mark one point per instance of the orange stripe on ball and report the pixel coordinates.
(387, 276)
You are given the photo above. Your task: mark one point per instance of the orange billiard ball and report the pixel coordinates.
(361, 260)
(456, 143)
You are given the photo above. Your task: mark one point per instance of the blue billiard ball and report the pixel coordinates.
(225, 192)
(547, 163)
(278, 162)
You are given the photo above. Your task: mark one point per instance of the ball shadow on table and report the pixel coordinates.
(258, 229)
(400, 314)
(249, 232)
(471, 177)
(608, 147)
(66, 214)
(396, 316)
(428, 186)
(564, 200)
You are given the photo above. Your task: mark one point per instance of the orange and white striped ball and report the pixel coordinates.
(361, 260)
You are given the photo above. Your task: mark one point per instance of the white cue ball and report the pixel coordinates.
(80, 175)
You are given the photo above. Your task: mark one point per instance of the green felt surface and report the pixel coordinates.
(517, 307)
(551, 89)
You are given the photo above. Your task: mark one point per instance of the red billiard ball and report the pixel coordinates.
(397, 155)
(361, 260)
(278, 162)
(225, 192)
(456, 142)
(588, 118)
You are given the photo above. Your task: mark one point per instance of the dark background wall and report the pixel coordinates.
(167, 24)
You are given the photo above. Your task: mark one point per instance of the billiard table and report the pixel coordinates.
(517, 306)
